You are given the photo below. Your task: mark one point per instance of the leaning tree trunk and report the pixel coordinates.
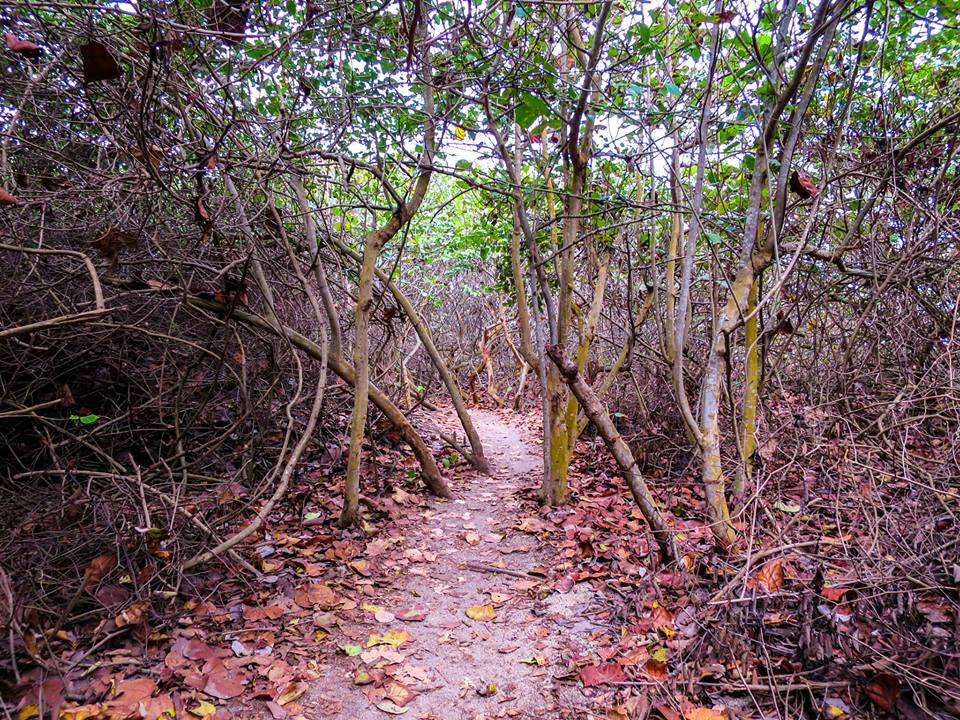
(428, 465)
(597, 412)
(450, 382)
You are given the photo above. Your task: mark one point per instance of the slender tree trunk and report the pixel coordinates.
(619, 449)
(361, 363)
(750, 396)
(371, 253)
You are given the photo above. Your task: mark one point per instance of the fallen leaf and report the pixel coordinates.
(255, 614)
(657, 669)
(399, 694)
(884, 690)
(315, 595)
(203, 709)
(537, 660)
(158, 708)
(362, 677)
(413, 614)
(390, 707)
(133, 615)
(129, 696)
(481, 613)
(81, 712)
(835, 709)
(604, 674)
(472, 538)
(6, 198)
(396, 638)
(703, 713)
(384, 616)
(786, 507)
(361, 567)
(770, 577)
(222, 684)
(290, 693)
(98, 567)
(351, 650)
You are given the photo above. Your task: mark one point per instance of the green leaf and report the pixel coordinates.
(672, 88)
(351, 650)
(530, 108)
(786, 507)
(85, 419)
(644, 31)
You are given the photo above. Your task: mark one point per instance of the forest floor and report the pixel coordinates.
(487, 606)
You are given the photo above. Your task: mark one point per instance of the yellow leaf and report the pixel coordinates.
(482, 613)
(203, 710)
(459, 133)
(397, 637)
(393, 637)
(27, 712)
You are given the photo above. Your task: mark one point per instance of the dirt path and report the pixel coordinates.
(460, 667)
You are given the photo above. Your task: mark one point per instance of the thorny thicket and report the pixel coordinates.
(187, 195)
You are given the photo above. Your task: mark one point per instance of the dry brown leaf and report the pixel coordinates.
(98, 63)
(133, 615)
(21, 47)
(315, 595)
(770, 577)
(98, 567)
(884, 690)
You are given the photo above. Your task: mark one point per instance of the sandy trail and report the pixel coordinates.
(453, 662)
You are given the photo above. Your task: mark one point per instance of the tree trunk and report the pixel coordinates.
(750, 395)
(371, 252)
(621, 452)
(361, 363)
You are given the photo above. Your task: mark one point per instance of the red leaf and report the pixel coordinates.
(884, 690)
(23, 47)
(601, 674)
(6, 198)
(802, 185)
(223, 685)
(98, 63)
